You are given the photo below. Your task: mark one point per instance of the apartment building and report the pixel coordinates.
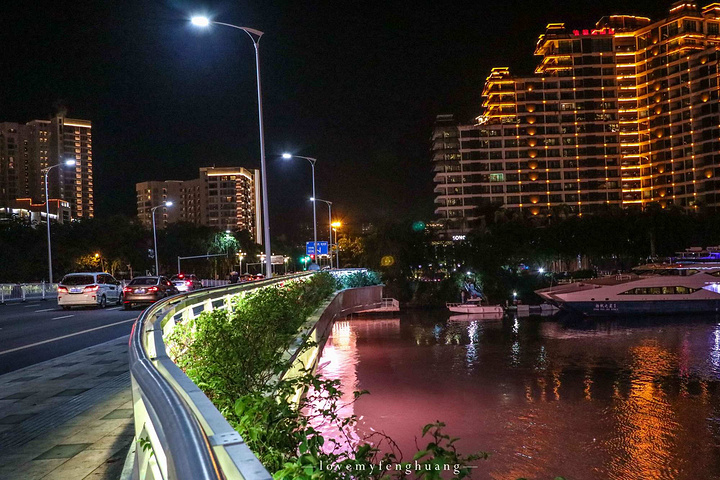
(28, 148)
(227, 198)
(625, 113)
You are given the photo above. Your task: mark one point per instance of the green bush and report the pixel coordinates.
(365, 278)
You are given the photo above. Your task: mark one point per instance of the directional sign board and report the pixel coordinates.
(310, 248)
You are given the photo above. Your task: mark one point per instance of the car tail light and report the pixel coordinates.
(152, 289)
(62, 290)
(127, 289)
(188, 283)
(91, 288)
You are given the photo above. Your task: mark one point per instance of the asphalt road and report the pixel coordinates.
(39, 330)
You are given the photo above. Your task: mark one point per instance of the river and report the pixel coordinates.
(586, 399)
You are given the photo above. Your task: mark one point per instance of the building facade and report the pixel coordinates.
(622, 114)
(226, 198)
(28, 148)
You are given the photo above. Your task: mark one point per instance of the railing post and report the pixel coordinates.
(43, 289)
(2, 294)
(22, 292)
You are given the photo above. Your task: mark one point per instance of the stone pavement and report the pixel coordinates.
(69, 418)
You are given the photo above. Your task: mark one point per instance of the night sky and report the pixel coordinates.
(355, 84)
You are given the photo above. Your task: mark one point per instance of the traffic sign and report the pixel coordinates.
(310, 248)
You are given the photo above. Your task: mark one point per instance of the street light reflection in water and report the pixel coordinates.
(594, 400)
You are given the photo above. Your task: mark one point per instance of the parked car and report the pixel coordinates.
(147, 290)
(95, 289)
(186, 282)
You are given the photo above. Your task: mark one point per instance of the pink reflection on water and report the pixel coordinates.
(597, 403)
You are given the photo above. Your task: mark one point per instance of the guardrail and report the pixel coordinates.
(180, 433)
(22, 292)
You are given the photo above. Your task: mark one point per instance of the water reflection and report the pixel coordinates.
(634, 399)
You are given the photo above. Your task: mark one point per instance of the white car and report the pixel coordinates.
(89, 289)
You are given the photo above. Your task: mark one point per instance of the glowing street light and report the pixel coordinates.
(254, 35)
(200, 21)
(336, 226)
(67, 163)
(152, 211)
(288, 156)
(541, 270)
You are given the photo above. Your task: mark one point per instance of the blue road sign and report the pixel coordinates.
(310, 248)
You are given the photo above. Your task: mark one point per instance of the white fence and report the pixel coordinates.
(23, 292)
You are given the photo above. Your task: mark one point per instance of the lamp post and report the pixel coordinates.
(312, 161)
(329, 204)
(152, 210)
(336, 226)
(255, 37)
(240, 256)
(46, 171)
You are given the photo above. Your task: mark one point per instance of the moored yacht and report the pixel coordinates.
(651, 290)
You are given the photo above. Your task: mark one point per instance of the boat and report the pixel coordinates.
(474, 305)
(650, 290)
(475, 317)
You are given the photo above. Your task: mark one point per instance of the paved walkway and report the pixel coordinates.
(69, 418)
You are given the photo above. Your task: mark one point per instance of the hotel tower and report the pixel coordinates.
(625, 113)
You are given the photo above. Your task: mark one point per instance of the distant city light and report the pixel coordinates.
(514, 294)
(541, 270)
(200, 21)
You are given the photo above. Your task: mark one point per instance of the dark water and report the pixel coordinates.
(627, 399)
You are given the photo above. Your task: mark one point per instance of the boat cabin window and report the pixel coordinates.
(660, 291)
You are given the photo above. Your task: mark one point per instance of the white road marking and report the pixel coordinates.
(115, 308)
(66, 336)
(64, 316)
(45, 310)
(33, 305)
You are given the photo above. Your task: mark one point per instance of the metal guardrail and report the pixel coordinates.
(186, 437)
(22, 292)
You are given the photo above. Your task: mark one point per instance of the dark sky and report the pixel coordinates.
(355, 84)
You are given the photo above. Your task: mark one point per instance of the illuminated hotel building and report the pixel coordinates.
(227, 198)
(26, 149)
(623, 114)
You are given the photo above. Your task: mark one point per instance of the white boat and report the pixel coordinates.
(660, 290)
(474, 306)
(475, 317)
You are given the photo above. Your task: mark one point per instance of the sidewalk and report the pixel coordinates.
(69, 418)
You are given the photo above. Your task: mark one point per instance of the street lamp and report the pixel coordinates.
(68, 163)
(241, 255)
(329, 204)
(152, 210)
(255, 37)
(336, 226)
(99, 258)
(312, 161)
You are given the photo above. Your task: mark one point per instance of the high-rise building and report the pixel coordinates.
(153, 193)
(26, 149)
(72, 139)
(625, 114)
(227, 198)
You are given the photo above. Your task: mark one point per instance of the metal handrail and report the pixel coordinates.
(184, 448)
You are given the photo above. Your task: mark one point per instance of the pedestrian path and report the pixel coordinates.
(67, 418)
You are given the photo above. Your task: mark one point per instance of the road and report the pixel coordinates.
(39, 330)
